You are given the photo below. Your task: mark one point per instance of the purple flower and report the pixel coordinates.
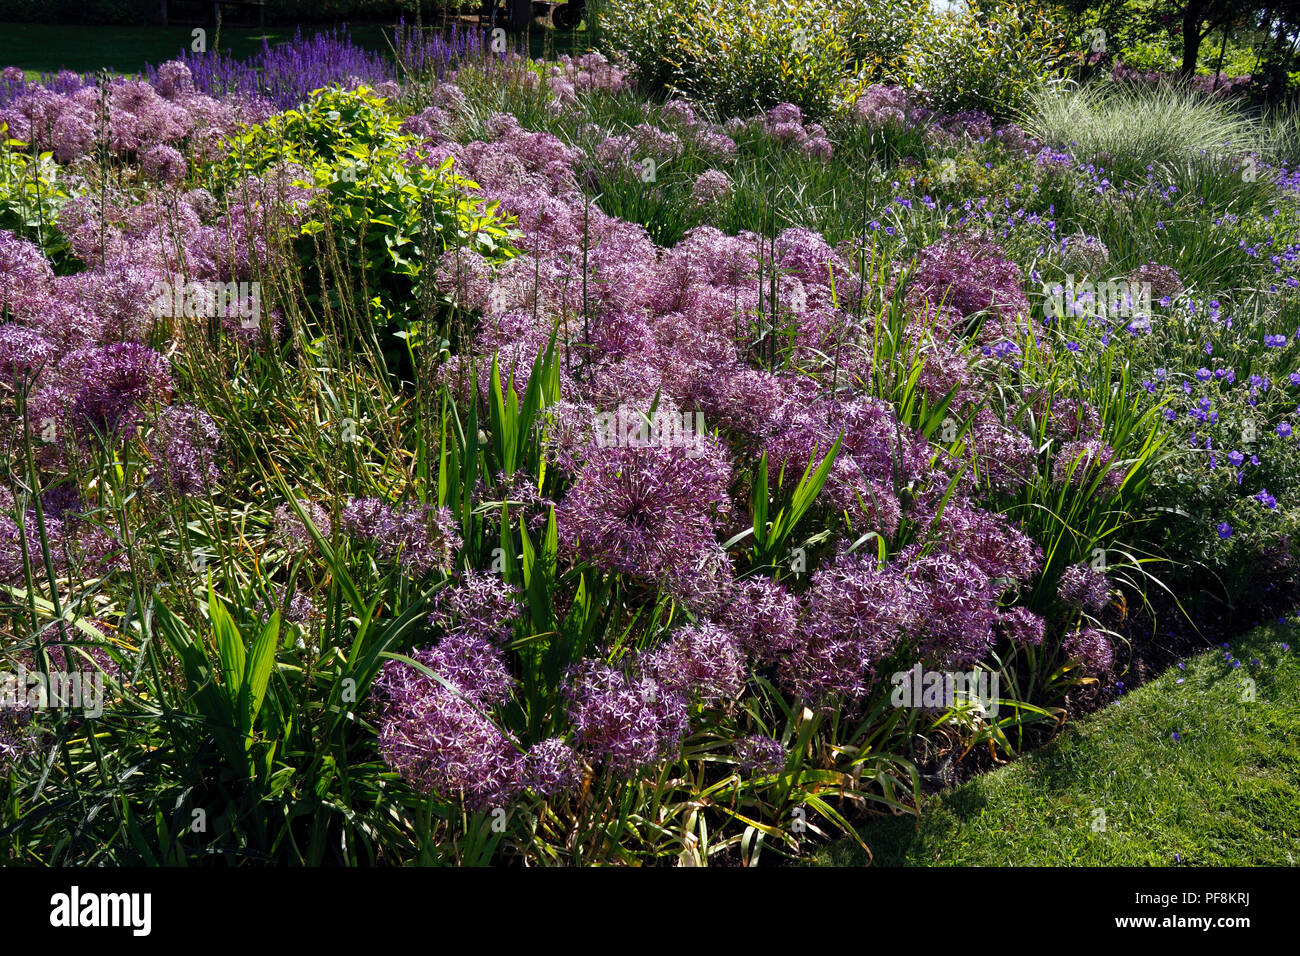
(418, 537)
(1225, 530)
(763, 755)
(1090, 649)
(1082, 586)
(480, 604)
(628, 720)
(184, 446)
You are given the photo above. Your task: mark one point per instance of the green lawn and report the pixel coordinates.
(1225, 791)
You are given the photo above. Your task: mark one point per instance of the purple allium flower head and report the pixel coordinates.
(439, 738)
(112, 383)
(1091, 649)
(764, 615)
(630, 720)
(418, 537)
(551, 767)
(711, 186)
(856, 615)
(758, 754)
(289, 531)
(1083, 586)
(183, 445)
(480, 604)
(1021, 626)
(703, 661)
(648, 511)
(163, 164)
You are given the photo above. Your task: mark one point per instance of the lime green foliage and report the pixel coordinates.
(32, 191)
(381, 211)
(1223, 792)
(745, 56)
(990, 56)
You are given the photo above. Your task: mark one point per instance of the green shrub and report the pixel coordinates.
(744, 55)
(990, 56)
(383, 215)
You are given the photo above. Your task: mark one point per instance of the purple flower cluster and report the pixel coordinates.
(418, 537)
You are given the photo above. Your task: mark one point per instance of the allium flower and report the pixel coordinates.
(1084, 254)
(882, 106)
(1021, 626)
(969, 275)
(856, 615)
(1080, 462)
(630, 721)
(1164, 280)
(418, 537)
(759, 754)
(481, 604)
(1091, 650)
(22, 352)
(440, 740)
(163, 164)
(765, 618)
(183, 445)
(704, 661)
(298, 609)
(711, 186)
(1083, 586)
(551, 767)
(955, 606)
(292, 534)
(648, 511)
(112, 383)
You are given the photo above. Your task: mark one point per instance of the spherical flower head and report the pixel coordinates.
(649, 511)
(479, 604)
(628, 720)
(856, 614)
(711, 186)
(703, 661)
(289, 531)
(551, 767)
(23, 352)
(163, 164)
(764, 616)
(183, 446)
(1164, 280)
(1080, 462)
(1083, 586)
(439, 742)
(1021, 627)
(1091, 650)
(174, 80)
(1084, 254)
(416, 536)
(115, 382)
(760, 755)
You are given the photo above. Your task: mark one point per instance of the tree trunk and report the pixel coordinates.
(1191, 35)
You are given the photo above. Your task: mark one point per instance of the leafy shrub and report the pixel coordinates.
(743, 55)
(387, 214)
(990, 56)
